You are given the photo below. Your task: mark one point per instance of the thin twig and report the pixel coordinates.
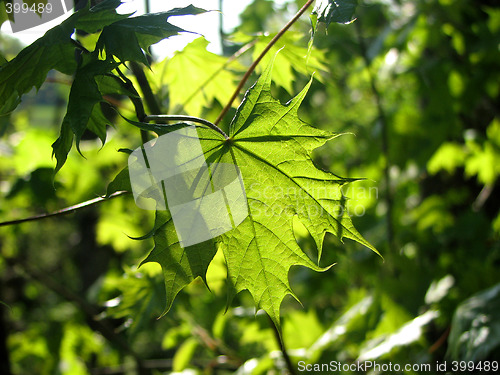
(257, 61)
(64, 211)
(186, 118)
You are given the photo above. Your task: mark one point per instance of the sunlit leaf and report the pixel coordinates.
(195, 77)
(272, 148)
(293, 58)
(406, 335)
(184, 354)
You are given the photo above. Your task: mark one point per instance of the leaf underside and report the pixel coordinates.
(272, 148)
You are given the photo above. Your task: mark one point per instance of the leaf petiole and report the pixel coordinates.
(187, 118)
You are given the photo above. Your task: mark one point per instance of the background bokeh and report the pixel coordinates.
(414, 84)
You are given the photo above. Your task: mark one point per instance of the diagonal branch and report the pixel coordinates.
(66, 210)
(259, 58)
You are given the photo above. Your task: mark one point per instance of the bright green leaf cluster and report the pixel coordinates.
(194, 77)
(293, 58)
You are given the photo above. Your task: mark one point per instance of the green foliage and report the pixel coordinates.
(328, 11)
(417, 82)
(120, 37)
(194, 78)
(55, 50)
(475, 333)
(128, 39)
(293, 58)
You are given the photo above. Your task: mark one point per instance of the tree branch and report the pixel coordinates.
(259, 58)
(66, 210)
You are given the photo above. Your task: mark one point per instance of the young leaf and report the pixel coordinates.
(292, 57)
(272, 148)
(195, 77)
(120, 183)
(340, 11)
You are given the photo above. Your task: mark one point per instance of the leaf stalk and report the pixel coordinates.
(187, 118)
(64, 211)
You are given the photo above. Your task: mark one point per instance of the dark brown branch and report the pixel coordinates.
(147, 92)
(66, 210)
(259, 58)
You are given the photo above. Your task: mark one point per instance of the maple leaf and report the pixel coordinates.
(272, 148)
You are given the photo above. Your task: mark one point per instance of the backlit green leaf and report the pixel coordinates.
(292, 58)
(195, 77)
(272, 147)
